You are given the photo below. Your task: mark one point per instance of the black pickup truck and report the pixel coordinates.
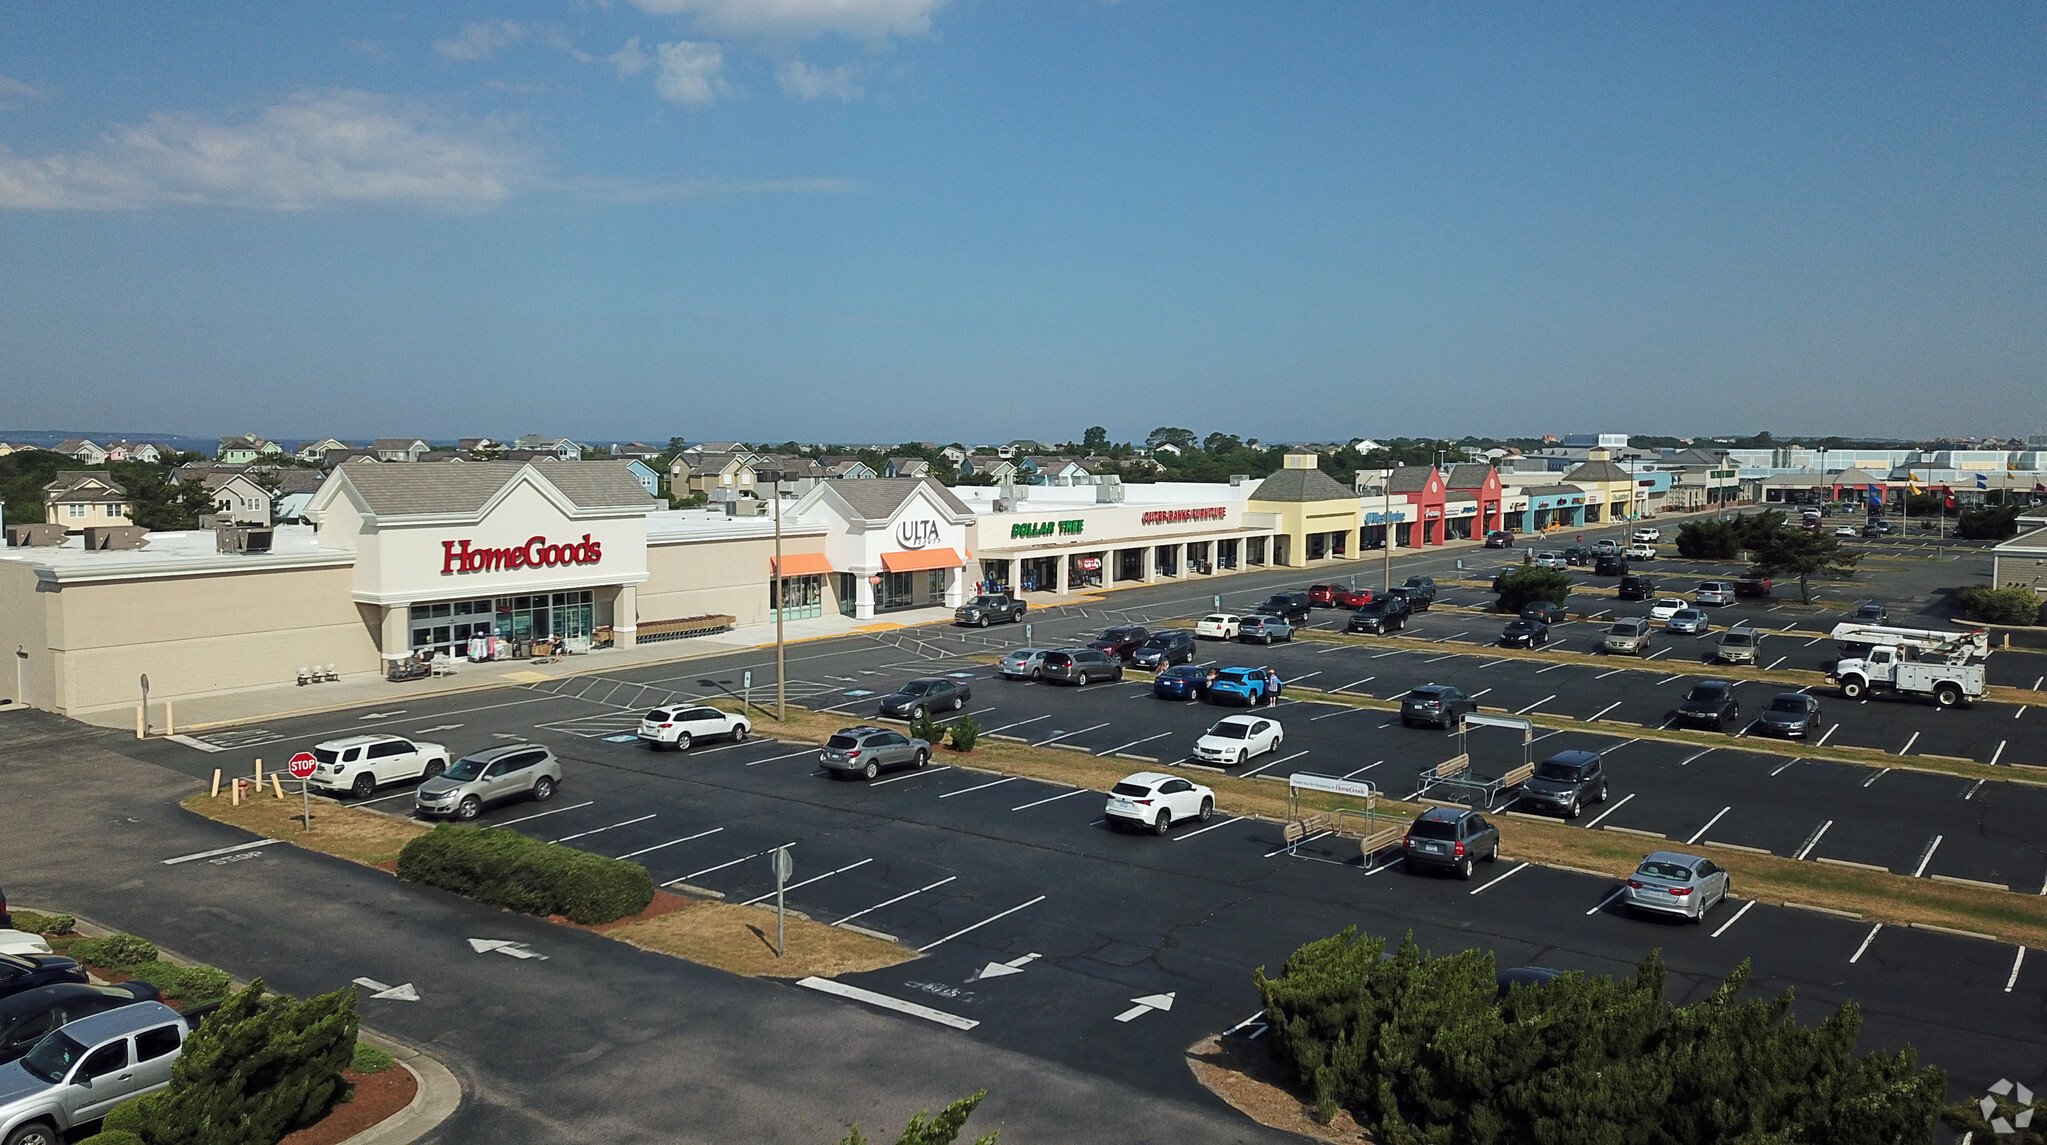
(983, 611)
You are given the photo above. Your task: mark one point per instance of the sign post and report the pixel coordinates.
(143, 731)
(784, 867)
(302, 766)
(1027, 635)
(746, 690)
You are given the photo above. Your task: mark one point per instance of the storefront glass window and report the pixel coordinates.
(804, 596)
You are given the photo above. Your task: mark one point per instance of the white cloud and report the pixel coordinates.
(480, 38)
(862, 19)
(630, 59)
(313, 150)
(12, 91)
(809, 81)
(691, 73)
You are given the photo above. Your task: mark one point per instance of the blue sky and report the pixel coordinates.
(963, 219)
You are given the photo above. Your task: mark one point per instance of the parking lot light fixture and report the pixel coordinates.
(781, 591)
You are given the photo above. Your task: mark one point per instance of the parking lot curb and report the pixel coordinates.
(438, 1096)
(1954, 931)
(695, 891)
(1579, 870)
(1739, 847)
(1959, 881)
(1861, 866)
(1071, 747)
(1009, 739)
(856, 928)
(1636, 831)
(1849, 914)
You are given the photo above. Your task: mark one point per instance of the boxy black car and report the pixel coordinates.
(1564, 783)
(1633, 587)
(1382, 617)
(1164, 649)
(1294, 606)
(927, 694)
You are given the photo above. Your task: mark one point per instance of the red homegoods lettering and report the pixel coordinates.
(536, 553)
(1176, 516)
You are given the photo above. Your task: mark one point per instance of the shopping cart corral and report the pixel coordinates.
(1454, 781)
(1373, 830)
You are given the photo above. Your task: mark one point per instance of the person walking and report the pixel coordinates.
(1271, 688)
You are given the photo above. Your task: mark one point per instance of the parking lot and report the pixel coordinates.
(1041, 927)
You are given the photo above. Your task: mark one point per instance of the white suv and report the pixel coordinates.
(1152, 801)
(359, 765)
(1648, 536)
(680, 727)
(1235, 739)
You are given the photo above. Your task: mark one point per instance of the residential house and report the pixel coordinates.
(79, 500)
(1056, 471)
(245, 448)
(80, 450)
(561, 447)
(475, 445)
(1167, 447)
(843, 467)
(399, 448)
(716, 447)
(719, 475)
(134, 451)
(316, 452)
(954, 454)
(995, 469)
(334, 457)
(906, 467)
(6, 449)
(238, 499)
(638, 449)
(648, 477)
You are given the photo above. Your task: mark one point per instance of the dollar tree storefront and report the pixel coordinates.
(1065, 540)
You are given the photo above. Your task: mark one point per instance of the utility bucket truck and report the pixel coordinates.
(1949, 666)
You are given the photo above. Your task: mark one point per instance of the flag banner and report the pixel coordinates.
(1982, 482)
(1876, 495)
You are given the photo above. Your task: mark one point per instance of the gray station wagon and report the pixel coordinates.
(492, 775)
(867, 751)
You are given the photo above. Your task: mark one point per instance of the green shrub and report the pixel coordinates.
(927, 729)
(1518, 588)
(2016, 604)
(1989, 523)
(1708, 540)
(370, 1059)
(966, 732)
(505, 868)
(125, 1117)
(943, 1127)
(115, 951)
(36, 922)
(113, 1137)
(257, 1069)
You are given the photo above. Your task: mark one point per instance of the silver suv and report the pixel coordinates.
(489, 776)
(77, 1073)
(867, 750)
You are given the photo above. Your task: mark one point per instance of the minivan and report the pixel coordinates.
(1079, 665)
(1629, 636)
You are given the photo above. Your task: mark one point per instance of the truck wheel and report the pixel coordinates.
(36, 1134)
(1852, 688)
(1947, 695)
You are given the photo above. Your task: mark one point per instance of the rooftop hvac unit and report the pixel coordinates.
(1109, 491)
(1237, 479)
(116, 537)
(244, 539)
(35, 536)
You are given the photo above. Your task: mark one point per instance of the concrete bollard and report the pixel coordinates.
(216, 783)
(170, 722)
(139, 717)
(259, 772)
(235, 791)
(277, 785)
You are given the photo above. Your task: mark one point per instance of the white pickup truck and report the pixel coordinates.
(77, 1073)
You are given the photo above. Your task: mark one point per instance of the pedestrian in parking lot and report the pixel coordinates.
(1271, 688)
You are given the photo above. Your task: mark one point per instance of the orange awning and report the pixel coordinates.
(802, 564)
(921, 560)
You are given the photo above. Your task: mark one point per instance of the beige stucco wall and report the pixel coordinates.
(96, 515)
(706, 578)
(1298, 519)
(23, 625)
(193, 634)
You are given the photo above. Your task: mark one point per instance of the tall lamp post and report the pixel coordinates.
(1386, 516)
(781, 594)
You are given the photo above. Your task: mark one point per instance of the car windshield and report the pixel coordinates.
(1868, 612)
(1432, 829)
(1137, 790)
(1159, 642)
(1228, 730)
(1711, 692)
(464, 769)
(1791, 703)
(1521, 626)
(1687, 614)
(1185, 672)
(1624, 628)
(1659, 870)
(53, 1057)
(1120, 634)
(1737, 639)
(1550, 769)
(915, 688)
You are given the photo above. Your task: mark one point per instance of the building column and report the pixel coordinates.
(1064, 563)
(396, 641)
(956, 587)
(863, 597)
(1148, 565)
(625, 617)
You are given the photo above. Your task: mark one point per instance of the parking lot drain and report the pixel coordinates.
(1847, 863)
(1958, 881)
(1953, 931)
(1739, 847)
(1637, 831)
(1824, 910)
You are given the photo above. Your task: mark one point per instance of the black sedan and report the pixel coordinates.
(1524, 633)
(1790, 714)
(925, 695)
(27, 1016)
(1543, 611)
(19, 972)
(1710, 704)
(1499, 539)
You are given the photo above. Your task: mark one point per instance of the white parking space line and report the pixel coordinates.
(544, 814)
(1604, 710)
(1782, 766)
(1926, 857)
(1480, 692)
(1610, 810)
(1551, 668)
(1776, 662)
(1994, 756)
(1364, 769)
(2016, 961)
(1866, 940)
(808, 881)
(1135, 742)
(1879, 774)
(1447, 639)
(1701, 833)
(1502, 878)
(1205, 830)
(1973, 789)
(1355, 683)
(1604, 675)
(1263, 766)
(827, 986)
(1063, 735)
(1813, 840)
(1444, 656)
(1395, 652)
(1055, 798)
(1535, 705)
(1298, 679)
(1907, 749)
(601, 830)
(895, 900)
(774, 758)
(1620, 745)
(980, 786)
(1687, 761)
(1661, 652)
(1338, 712)
(1490, 663)
(1814, 640)
(384, 798)
(1668, 679)
(1605, 902)
(671, 843)
(722, 866)
(1304, 839)
(980, 924)
(2017, 714)
(1823, 736)
(1737, 918)
(911, 775)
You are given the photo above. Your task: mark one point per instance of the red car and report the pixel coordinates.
(1337, 596)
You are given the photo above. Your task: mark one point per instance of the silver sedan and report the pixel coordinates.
(1023, 664)
(1671, 883)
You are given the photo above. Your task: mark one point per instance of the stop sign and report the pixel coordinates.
(301, 765)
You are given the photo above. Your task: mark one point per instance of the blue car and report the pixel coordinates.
(1182, 682)
(1245, 685)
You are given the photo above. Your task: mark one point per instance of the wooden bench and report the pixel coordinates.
(1517, 777)
(1299, 829)
(1450, 768)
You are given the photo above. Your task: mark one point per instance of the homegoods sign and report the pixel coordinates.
(536, 553)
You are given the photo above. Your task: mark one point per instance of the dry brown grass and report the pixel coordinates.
(1245, 1075)
(741, 939)
(348, 832)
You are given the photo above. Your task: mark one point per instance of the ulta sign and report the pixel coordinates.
(536, 553)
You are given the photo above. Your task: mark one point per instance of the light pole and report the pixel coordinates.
(1386, 515)
(781, 593)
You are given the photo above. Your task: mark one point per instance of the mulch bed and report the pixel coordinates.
(377, 1096)
(663, 903)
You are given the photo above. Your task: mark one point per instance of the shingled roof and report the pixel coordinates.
(421, 490)
(1470, 476)
(1410, 478)
(1297, 485)
(879, 498)
(1597, 471)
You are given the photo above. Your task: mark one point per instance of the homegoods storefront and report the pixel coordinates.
(1058, 543)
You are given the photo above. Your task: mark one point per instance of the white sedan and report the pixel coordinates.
(1153, 801)
(1220, 626)
(1648, 536)
(1668, 607)
(361, 764)
(1235, 739)
(680, 727)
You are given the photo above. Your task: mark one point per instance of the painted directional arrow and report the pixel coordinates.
(504, 946)
(404, 993)
(1146, 1005)
(435, 728)
(1002, 969)
(382, 715)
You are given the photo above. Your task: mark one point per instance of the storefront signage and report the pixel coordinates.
(536, 553)
(1180, 516)
(1432, 512)
(1046, 528)
(918, 534)
(1087, 564)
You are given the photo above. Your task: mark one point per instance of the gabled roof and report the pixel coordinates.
(1469, 476)
(397, 442)
(1300, 485)
(433, 490)
(83, 485)
(1410, 478)
(74, 445)
(879, 498)
(1598, 471)
(1856, 475)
